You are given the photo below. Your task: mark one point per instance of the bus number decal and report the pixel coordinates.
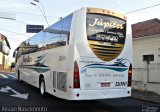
(121, 84)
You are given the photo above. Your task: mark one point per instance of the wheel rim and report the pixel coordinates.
(42, 88)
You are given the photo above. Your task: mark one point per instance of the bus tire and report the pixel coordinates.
(18, 77)
(42, 87)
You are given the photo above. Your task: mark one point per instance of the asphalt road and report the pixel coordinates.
(49, 103)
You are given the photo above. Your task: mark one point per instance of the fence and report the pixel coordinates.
(147, 78)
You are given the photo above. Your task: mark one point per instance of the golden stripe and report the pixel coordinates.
(91, 42)
(106, 52)
(105, 56)
(107, 12)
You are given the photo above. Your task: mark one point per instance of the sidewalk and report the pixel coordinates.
(146, 96)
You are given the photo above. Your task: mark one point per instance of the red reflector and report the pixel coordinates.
(76, 81)
(130, 72)
(130, 75)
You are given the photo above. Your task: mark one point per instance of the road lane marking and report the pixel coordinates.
(4, 76)
(12, 76)
(16, 93)
(3, 90)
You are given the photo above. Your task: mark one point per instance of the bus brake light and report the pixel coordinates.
(76, 76)
(130, 75)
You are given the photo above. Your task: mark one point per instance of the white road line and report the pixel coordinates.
(12, 76)
(7, 89)
(4, 76)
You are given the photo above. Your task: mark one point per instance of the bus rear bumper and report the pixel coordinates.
(99, 94)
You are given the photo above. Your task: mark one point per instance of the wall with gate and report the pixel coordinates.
(147, 78)
(146, 75)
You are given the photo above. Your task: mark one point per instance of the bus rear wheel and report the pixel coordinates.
(18, 77)
(42, 87)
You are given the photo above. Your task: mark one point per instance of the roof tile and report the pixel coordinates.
(146, 28)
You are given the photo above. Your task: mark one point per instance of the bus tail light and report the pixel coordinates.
(130, 76)
(76, 76)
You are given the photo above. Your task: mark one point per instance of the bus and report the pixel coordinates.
(83, 56)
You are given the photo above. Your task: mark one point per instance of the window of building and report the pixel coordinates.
(149, 57)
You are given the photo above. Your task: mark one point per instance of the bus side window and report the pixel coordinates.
(66, 28)
(16, 56)
(19, 52)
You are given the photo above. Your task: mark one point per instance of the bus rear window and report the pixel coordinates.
(106, 28)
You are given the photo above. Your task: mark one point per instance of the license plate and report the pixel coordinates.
(105, 84)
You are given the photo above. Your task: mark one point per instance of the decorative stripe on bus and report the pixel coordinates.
(112, 68)
(119, 65)
(40, 57)
(36, 68)
(102, 66)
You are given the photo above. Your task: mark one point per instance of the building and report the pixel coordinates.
(146, 55)
(4, 52)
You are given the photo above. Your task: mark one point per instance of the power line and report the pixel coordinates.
(21, 22)
(14, 32)
(9, 37)
(142, 9)
(13, 39)
(18, 21)
(57, 17)
(28, 13)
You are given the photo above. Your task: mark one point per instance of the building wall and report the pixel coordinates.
(5, 61)
(1, 61)
(143, 46)
(1, 57)
(146, 76)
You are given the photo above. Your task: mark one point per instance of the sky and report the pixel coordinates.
(25, 13)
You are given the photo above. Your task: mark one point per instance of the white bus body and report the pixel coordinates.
(84, 56)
